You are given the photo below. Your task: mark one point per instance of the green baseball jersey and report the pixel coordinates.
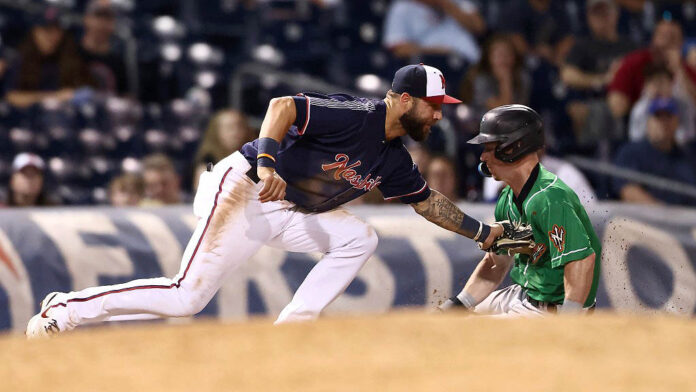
(562, 231)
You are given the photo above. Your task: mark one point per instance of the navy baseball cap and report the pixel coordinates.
(422, 81)
(664, 105)
(49, 16)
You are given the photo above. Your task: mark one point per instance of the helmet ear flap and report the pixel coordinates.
(509, 152)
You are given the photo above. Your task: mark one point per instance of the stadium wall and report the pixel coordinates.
(648, 259)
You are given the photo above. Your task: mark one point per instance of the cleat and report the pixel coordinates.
(41, 326)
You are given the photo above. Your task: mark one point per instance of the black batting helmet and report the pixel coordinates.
(518, 128)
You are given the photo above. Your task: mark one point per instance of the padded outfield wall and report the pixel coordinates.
(648, 259)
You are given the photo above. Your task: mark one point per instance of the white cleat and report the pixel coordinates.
(40, 326)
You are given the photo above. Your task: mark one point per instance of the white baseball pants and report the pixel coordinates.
(233, 226)
(508, 302)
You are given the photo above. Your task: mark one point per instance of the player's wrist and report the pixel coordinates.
(267, 152)
(474, 229)
(467, 300)
(570, 306)
(461, 301)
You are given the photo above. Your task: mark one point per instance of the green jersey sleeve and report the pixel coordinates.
(565, 236)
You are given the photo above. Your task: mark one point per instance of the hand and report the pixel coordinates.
(516, 238)
(496, 231)
(650, 90)
(273, 184)
(673, 57)
(450, 306)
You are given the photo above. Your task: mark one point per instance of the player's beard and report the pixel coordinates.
(414, 126)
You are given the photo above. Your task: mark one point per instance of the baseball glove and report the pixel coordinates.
(516, 238)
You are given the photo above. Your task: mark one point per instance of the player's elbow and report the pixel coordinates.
(281, 104)
(578, 277)
(280, 115)
(422, 207)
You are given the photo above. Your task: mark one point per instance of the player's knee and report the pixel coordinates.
(367, 242)
(371, 240)
(192, 305)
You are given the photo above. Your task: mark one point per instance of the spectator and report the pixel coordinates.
(227, 132)
(659, 83)
(589, 68)
(27, 182)
(49, 65)
(541, 31)
(539, 28)
(665, 49)
(98, 48)
(126, 190)
(658, 155)
(162, 183)
(442, 176)
(414, 27)
(498, 79)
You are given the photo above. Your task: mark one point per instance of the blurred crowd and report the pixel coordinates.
(125, 103)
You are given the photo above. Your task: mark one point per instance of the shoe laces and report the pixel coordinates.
(51, 327)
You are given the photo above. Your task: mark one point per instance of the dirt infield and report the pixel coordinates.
(407, 351)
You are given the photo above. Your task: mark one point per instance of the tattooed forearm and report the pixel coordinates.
(441, 211)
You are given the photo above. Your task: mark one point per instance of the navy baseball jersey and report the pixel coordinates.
(336, 151)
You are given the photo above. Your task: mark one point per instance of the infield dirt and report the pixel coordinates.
(403, 351)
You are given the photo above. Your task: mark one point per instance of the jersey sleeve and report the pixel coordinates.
(564, 234)
(405, 181)
(321, 115)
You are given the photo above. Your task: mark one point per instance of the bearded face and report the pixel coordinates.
(417, 127)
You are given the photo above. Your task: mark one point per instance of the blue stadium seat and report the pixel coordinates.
(91, 140)
(23, 139)
(5, 170)
(102, 169)
(6, 148)
(72, 194)
(156, 140)
(69, 170)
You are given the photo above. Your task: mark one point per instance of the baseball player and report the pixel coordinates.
(315, 153)
(559, 269)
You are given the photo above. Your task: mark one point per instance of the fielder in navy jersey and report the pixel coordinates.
(315, 153)
(337, 150)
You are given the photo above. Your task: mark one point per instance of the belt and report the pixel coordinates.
(543, 305)
(251, 173)
(552, 307)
